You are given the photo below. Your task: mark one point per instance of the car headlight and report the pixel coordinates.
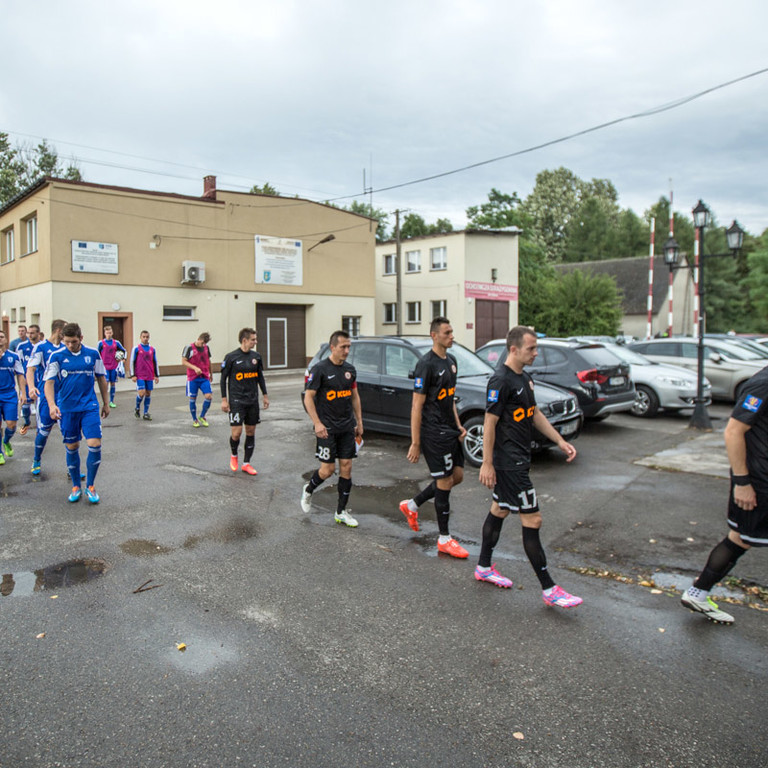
(675, 382)
(546, 409)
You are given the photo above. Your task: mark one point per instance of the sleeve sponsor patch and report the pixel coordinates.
(418, 383)
(752, 403)
(493, 395)
(310, 377)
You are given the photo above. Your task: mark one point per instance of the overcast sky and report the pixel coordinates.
(306, 95)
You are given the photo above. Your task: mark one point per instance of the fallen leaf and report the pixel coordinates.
(646, 584)
(181, 646)
(651, 541)
(53, 597)
(519, 736)
(661, 629)
(40, 636)
(688, 538)
(656, 592)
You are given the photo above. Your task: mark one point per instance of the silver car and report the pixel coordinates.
(727, 366)
(659, 386)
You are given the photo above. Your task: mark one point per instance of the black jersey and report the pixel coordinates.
(510, 397)
(752, 409)
(435, 377)
(333, 386)
(242, 374)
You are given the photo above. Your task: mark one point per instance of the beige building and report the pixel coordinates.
(178, 265)
(469, 276)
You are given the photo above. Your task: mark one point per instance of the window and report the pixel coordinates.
(22, 314)
(438, 258)
(13, 316)
(6, 246)
(390, 313)
(351, 324)
(366, 356)
(413, 312)
(30, 235)
(179, 313)
(439, 309)
(413, 260)
(389, 263)
(399, 360)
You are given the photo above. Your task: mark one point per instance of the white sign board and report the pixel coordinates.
(94, 257)
(279, 261)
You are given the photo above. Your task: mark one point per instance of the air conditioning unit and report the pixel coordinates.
(192, 272)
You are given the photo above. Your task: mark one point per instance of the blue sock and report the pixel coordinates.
(146, 403)
(112, 389)
(92, 464)
(40, 440)
(73, 465)
(8, 434)
(138, 402)
(193, 409)
(206, 406)
(25, 414)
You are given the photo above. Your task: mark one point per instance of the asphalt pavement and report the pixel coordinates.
(305, 643)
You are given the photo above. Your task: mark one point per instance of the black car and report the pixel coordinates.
(385, 366)
(597, 377)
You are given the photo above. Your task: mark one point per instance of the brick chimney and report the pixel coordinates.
(209, 188)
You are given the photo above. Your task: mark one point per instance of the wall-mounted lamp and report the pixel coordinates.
(494, 274)
(326, 239)
(156, 239)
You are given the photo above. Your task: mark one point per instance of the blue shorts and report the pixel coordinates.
(77, 423)
(145, 384)
(111, 376)
(44, 420)
(9, 408)
(198, 385)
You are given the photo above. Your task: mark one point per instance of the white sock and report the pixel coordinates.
(412, 505)
(698, 594)
(443, 539)
(483, 568)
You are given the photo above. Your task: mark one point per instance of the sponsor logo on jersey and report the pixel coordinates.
(453, 368)
(347, 375)
(446, 392)
(64, 374)
(333, 394)
(493, 395)
(418, 383)
(752, 403)
(310, 377)
(246, 375)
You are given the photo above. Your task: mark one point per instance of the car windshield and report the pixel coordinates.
(628, 355)
(469, 363)
(735, 351)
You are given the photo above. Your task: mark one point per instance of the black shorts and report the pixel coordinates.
(751, 525)
(514, 491)
(241, 414)
(442, 454)
(338, 445)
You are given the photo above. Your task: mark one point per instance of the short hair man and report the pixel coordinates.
(36, 366)
(437, 432)
(70, 377)
(145, 371)
(242, 375)
(11, 380)
(24, 351)
(196, 358)
(112, 354)
(510, 416)
(746, 442)
(333, 404)
(22, 331)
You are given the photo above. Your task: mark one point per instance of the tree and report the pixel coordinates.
(11, 169)
(414, 226)
(366, 209)
(265, 189)
(501, 211)
(758, 284)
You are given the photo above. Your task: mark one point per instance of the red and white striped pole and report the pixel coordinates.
(670, 316)
(649, 329)
(696, 251)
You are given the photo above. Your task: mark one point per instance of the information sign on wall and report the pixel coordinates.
(279, 261)
(94, 257)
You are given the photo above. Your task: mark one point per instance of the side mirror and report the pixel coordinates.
(716, 357)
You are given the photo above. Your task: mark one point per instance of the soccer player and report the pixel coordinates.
(69, 390)
(436, 431)
(11, 378)
(242, 375)
(22, 331)
(145, 372)
(24, 351)
(110, 350)
(510, 416)
(41, 353)
(746, 443)
(196, 358)
(333, 404)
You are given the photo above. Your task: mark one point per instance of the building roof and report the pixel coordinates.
(507, 231)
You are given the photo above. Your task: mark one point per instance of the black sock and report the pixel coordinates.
(721, 560)
(535, 553)
(250, 441)
(234, 445)
(345, 488)
(491, 533)
(442, 510)
(425, 494)
(314, 482)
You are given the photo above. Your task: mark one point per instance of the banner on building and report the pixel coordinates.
(94, 257)
(279, 261)
(493, 291)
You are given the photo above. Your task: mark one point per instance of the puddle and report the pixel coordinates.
(237, 529)
(54, 577)
(144, 548)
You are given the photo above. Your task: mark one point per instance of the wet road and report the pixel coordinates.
(309, 644)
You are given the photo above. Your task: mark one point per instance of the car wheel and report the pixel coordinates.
(473, 442)
(646, 403)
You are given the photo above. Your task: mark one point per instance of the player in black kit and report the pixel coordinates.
(746, 442)
(242, 375)
(510, 417)
(333, 404)
(436, 431)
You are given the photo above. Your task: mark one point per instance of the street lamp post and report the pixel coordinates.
(735, 236)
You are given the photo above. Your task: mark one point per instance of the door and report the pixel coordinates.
(366, 357)
(396, 384)
(491, 320)
(122, 328)
(282, 335)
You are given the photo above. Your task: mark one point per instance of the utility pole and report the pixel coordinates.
(398, 277)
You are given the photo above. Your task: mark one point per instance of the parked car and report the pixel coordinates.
(385, 367)
(599, 380)
(659, 386)
(742, 341)
(727, 366)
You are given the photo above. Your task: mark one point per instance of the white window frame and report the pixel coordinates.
(434, 253)
(390, 313)
(413, 261)
(30, 231)
(390, 260)
(439, 308)
(8, 249)
(175, 313)
(351, 324)
(413, 312)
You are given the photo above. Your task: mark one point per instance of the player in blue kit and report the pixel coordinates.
(24, 351)
(35, 370)
(11, 378)
(69, 390)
